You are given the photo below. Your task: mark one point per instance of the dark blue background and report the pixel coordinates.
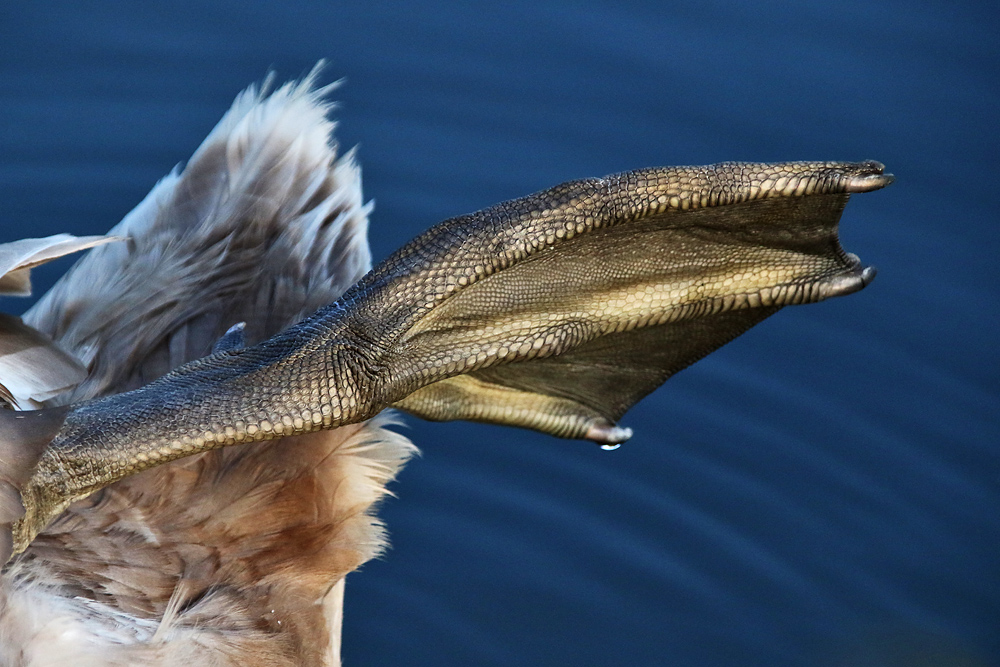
(825, 490)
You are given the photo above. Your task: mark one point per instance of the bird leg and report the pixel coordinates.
(557, 312)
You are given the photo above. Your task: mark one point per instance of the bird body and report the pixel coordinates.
(142, 536)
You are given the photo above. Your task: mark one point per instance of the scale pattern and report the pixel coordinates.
(502, 287)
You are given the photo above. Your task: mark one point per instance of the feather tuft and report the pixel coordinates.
(265, 219)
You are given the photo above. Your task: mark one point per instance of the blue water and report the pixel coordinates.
(825, 490)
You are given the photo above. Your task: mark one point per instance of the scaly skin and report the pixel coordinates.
(395, 332)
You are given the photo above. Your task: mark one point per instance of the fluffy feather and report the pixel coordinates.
(263, 225)
(237, 556)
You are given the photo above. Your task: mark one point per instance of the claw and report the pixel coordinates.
(875, 180)
(608, 435)
(233, 339)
